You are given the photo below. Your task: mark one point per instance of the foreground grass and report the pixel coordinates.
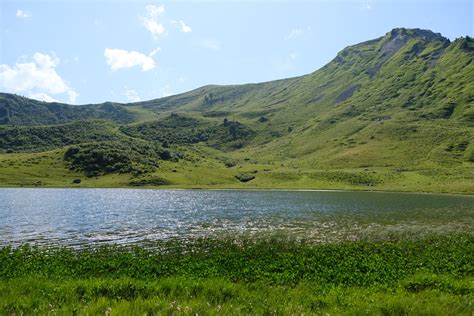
(418, 295)
(424, 276)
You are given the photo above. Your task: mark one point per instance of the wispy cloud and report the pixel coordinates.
(154, 27)
(155, 23)
(367, 5)
(154, 10)
(183, 26)
(119, 59)
(154, 52)
(22, 14)
(132, 95)
(151, 22)
(211, 44)
(37, 78)
(297, 32)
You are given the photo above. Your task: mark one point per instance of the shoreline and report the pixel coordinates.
(256, 189)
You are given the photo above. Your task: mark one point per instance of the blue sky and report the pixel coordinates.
(95, 51)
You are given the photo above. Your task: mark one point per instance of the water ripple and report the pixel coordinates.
(89, 216)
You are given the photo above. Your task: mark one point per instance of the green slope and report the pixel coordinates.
(18, 110)
(393, 113)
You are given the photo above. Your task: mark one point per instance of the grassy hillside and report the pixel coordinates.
(18, 110)
(393, 113)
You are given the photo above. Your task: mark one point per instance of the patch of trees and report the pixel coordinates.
(180, 129)
(229, 135)
(210, 99)
(18, 110)
(356, 178)
(458, 150)
(461, 146)
(154, 181)
(466, 44)
(4, 115)
(245, 177)
(100, 158)
(41, 138)
(175, 129)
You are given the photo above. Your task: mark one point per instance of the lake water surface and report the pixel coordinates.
(91, 216)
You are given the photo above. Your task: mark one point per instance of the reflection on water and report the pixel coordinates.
(86, 216)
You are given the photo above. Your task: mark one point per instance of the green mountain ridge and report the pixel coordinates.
(393, 113)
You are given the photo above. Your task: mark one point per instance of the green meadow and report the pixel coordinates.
(428, 276)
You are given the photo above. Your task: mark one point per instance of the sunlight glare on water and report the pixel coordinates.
(91, 216)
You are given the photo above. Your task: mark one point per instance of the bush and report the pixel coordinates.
(245, 177)
(108, 157)
(179, 129)
(41, 138)
(155, 181)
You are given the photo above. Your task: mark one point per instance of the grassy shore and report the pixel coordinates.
(421, 276)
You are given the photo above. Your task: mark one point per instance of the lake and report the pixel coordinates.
(94, 216)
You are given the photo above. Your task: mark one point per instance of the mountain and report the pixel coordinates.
(393, 113)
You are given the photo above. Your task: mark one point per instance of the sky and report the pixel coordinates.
(89, 51)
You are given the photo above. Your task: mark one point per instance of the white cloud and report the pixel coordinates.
(22, 14)
(36, 78)
(294, 33)
(154, 11)
(72, 96)
(45, 60)
(297, 32)
(211, 44)
(119, 58)
(154, 27)
(132, 95)
(150, 21)
(183, 26)
(154, 52)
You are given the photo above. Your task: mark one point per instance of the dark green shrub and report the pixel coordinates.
(244, 177)
(108, 157)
